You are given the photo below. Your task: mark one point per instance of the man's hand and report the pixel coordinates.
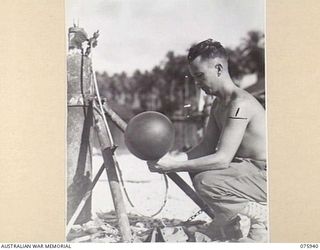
(163, 165)
(154, 167)
(166, 164)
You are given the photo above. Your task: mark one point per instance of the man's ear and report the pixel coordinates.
(219, 69)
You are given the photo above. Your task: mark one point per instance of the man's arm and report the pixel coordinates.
(238, 117)
(210, 138)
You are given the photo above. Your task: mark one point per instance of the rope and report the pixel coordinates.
(131, 203)
(101, 112)
(100, 103)
(125, 189)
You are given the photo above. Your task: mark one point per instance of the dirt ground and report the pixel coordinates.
(147, 192)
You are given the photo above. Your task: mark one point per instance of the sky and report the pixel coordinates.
(137, 34)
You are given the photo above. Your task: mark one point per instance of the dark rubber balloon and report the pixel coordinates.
(149, 135)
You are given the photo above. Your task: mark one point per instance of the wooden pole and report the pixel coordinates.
(79, 126)
(173, 176)
(108, 157)
(80, 121)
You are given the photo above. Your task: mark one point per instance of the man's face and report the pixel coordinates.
(201, 72)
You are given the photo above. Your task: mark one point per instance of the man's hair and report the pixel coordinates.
(207, 49)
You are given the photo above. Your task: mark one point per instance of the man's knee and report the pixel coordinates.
(198, 182)
(205, 188)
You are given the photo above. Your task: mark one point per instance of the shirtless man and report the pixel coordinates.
(229, 165)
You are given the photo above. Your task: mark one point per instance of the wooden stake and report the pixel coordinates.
(108, 158)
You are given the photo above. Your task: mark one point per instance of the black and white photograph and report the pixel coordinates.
(166, 121)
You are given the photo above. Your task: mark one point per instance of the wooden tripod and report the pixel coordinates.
(109, 165)
(80, 96)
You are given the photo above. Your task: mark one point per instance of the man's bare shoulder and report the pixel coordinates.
(244, 105)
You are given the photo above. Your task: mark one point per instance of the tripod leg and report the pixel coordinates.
(107, 150)
(84, 200)
(190, 193)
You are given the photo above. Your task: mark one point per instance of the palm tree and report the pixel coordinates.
(252, 53)
(253, 61)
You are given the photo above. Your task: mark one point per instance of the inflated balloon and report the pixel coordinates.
(149, 135)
